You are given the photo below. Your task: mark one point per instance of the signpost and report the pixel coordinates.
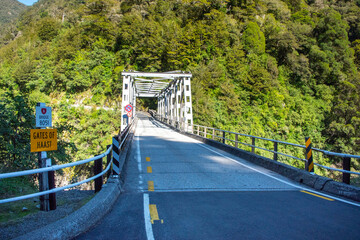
(42, 140)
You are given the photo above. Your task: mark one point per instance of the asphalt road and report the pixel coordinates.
(179, 188)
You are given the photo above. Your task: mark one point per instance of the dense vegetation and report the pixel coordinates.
(277, 69)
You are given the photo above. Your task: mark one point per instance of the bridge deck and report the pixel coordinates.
(179, 188)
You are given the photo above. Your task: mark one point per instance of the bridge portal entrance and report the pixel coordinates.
(172, 90)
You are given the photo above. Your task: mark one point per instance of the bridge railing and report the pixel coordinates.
(122, 136)
(226, 138)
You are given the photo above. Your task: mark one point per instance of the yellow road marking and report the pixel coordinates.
(149, 169)
(148, 159)
(151, 186)
(329, 199)
(153, 213)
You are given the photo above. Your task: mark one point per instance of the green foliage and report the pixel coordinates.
(272, 68)
(253, 39)
(16, 120)
(47, 29)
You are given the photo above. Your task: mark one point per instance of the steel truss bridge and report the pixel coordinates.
(172, 90)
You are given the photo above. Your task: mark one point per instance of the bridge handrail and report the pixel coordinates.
(282, 142)
(346, 157)
(58, 167)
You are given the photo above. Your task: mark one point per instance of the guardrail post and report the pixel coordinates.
(223, 140)
(346, 166)
(52, 196)
(97, 170)
(275, 151)
(236, 140)
(198, 130)
(43, 183)
(116, 156)
(253, 145)
(213, 135)
(204, 132)
(310, 164)
(108, 160)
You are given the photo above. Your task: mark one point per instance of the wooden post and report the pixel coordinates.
(275, 151)
(43, 183)
(346, 166)
(52, 196)
(97, 170)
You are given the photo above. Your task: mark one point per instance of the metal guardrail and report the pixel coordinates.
(207, 131)
(58, 167)
(212, 132)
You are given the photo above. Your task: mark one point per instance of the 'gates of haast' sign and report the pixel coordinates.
(43, 140)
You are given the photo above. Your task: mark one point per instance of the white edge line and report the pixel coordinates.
(280, 180)
(148, 226)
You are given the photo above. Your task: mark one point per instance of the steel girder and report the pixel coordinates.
(172, 89)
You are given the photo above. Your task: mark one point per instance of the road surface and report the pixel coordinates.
(179, 188)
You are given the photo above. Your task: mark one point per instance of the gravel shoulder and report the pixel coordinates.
(67, 203)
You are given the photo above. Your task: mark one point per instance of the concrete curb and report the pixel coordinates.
(82, 219)
(88, 215)
(319, 183)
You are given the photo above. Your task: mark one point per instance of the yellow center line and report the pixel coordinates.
(153, 213)
(151, 186)
(148, 159)
(149, 169)
(316, 195)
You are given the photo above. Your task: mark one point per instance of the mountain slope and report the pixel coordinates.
(10, 10)
(271, 68)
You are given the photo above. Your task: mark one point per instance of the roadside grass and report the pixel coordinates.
(13, 187)
(12, 213)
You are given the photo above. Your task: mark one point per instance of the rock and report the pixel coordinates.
(24, 209)
(38, 206)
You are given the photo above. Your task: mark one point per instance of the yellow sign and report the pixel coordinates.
(43, 140)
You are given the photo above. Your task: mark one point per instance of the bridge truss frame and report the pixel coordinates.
(172, 90)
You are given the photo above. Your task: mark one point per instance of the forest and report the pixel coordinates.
(284, 70)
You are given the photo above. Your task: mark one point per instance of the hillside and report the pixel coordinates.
(271, 68)
(10, 10)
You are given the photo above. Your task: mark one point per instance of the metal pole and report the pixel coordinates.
(236, 140)
(223, 140)
(253, 145)
(275, 151)
(346, 166)
(213, 135)
(198, 130)
(205, 132)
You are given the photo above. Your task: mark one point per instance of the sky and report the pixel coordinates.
(28, 2)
